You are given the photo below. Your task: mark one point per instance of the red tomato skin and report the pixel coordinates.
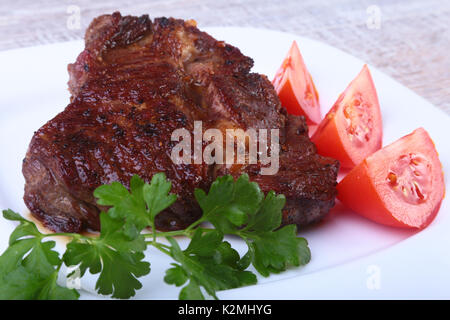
(358, 190)
(292, 83)
(327, 140)
(331, 137)
(287, 97)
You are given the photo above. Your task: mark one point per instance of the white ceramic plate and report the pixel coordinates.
(352, 258)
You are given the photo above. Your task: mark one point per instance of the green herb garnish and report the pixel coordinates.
(29, 267)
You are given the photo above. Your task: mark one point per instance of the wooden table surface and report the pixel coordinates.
(407, 39)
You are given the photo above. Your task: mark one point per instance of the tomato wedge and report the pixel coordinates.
(401, 185)
(295, 87)
(352, 129)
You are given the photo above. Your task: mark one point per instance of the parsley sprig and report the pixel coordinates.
(29, 267)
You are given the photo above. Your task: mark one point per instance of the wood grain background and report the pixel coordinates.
(411, 42)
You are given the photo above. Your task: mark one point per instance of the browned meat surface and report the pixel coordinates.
(138, 80)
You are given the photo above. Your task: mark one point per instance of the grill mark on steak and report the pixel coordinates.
(136, 82)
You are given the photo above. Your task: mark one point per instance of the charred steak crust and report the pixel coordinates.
(138, 80)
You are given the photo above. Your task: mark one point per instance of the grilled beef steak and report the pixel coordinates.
(135, 83)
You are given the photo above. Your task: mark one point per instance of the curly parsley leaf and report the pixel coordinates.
(191, 291)
(117, 258)
(176, 275)
(268, 217)
(229, 203)
(213, 266)
(240, 208)
(156, 194)
(140, 206)
(273, 252)
(51, 291)
(29, 266)
(272, 249)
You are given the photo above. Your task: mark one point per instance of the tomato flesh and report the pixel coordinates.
(358, 122)
(352, 129)
(401, 185)
(410, 178)
(295, 87)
